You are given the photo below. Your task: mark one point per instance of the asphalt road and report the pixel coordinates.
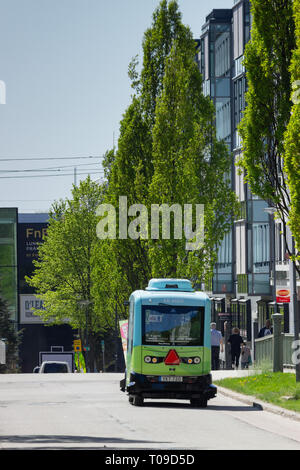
(87, 411)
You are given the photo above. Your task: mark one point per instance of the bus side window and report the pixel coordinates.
(130, 327)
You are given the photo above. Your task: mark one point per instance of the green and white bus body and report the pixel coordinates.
(168, 348)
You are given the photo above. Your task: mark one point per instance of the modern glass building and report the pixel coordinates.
(8, 260)
(246, 272)
(216, 68)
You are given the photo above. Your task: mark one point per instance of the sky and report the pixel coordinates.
(64, 79)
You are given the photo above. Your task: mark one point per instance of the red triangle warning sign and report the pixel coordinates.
(172, 358)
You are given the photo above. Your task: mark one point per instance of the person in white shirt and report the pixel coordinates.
(216, 344)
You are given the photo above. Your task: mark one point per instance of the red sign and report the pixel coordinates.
(282, 296)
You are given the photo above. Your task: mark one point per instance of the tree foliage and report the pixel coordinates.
(188, 160)
(168, 153)
(63, 274)
(292, 136)
(267, 60)
(12, 339)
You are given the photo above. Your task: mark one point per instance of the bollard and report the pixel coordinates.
(277, 343)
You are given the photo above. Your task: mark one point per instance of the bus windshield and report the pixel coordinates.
(173, 325)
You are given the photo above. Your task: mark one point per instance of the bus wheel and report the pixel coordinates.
(130, 399)
(199, 402)
(138, 401)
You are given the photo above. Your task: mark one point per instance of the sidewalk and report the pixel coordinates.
(224, 374)
(248, 399)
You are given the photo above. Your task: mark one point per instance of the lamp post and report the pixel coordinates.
(271, 211)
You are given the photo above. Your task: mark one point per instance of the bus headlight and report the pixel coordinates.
(197, 360)
(147, 359)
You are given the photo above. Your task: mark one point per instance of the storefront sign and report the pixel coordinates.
(30, 236)
(224, 316)
(283, 295)
(27, 303)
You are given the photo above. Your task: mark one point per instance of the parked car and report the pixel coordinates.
(36, 370)
(54, 367)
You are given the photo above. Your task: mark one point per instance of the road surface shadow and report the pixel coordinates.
(155, 404)
(61, 439)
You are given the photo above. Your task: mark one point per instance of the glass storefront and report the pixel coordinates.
(8, 260)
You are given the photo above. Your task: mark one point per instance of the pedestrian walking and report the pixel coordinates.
(266, 330)
(235, 340)
(216, 345)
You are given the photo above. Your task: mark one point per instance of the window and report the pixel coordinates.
(261, 314)
(239, 99)
(55, 368)
(168, 325)
(238, 39)
(242, 280)
(235, 315)
(222, 54)
(243, 320)
(223, 118)
(261, 248)
(206, 58)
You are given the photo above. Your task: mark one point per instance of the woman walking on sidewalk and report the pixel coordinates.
(235, 340)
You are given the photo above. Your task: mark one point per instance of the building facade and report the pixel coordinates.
(37, 337)
(252, 262)
(20, 236)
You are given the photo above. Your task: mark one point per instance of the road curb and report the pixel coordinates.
(261, 405)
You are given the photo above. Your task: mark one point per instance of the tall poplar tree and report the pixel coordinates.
(190, 166)
(131, 168)
(168, 153)
(267, 60)
(292, 137)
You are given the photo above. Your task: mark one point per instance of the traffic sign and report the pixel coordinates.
(77, 345)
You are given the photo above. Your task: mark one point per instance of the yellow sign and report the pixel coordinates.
(77, 345)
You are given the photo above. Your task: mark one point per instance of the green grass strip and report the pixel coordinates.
(278, 388)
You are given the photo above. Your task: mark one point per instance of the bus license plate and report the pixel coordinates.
(171, 378)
